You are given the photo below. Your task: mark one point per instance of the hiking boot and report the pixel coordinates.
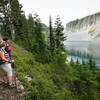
(3, 82)
(12, 85)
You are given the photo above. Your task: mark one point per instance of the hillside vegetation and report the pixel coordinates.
(56, 81)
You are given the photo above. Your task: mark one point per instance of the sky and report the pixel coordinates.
(68, 10)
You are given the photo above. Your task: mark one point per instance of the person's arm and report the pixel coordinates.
(3, 57)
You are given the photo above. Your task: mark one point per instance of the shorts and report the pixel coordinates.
(6, 67)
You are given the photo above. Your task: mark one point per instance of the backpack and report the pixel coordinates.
(8, 50)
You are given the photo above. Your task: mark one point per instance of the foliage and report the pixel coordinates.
(58, 80)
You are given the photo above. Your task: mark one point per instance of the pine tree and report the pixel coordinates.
(91, 63)
(51, 37)
(83, 62)
(60, 38)
(72, 62)
(77, 61)
(4, 16)
(16, 17)
(31, 35)
(40, 47)
(8, 27)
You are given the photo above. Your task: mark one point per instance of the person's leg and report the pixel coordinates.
(3, 75)
(5, 78)
(9, 74)
(7, 68)
(10, 80)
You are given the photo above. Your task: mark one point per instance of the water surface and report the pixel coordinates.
(83, 50)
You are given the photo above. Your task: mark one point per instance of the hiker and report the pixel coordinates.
(5, 64)
(8, 47)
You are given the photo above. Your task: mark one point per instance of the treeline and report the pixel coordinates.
(30, 32)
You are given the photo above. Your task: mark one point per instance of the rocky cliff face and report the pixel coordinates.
(85, 22)
(87, 27)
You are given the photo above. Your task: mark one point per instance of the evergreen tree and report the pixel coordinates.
(31, 35)
(91, 65)
(77, 61)
(11, 15)
(17, 17)
(51, 37)
(8, 28)
(59, 38)
(40, 47)
(4, 16)
(83, 62)
(72, 62)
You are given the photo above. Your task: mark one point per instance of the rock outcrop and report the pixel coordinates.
(85, 22)
(87, 28)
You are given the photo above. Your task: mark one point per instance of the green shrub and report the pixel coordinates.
(42, 89)
(63, 95)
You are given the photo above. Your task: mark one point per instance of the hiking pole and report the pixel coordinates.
(14, 75)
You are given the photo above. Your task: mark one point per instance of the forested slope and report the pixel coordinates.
(58, 80)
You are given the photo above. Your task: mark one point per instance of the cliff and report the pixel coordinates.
(88, 28)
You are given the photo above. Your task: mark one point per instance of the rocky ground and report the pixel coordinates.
(7, 93)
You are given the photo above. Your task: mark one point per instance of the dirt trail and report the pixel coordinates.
(7, 93)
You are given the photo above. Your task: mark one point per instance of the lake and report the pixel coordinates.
(83, 50)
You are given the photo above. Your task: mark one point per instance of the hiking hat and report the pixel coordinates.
(2, 44)
(5, 39)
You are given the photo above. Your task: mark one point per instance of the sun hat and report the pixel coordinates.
(2, 44)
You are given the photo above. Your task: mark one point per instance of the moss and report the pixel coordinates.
(91, 30)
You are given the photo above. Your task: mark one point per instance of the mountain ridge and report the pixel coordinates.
(89, 26)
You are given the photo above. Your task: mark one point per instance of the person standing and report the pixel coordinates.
(8, 47)
(5, 63)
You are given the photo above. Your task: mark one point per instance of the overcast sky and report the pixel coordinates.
(67, 9)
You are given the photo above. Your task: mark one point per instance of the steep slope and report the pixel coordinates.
(89, 26)
(55, 81)
(41, 81)
(33, 76)
(6, 92)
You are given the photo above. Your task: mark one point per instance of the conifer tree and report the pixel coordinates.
(51, 37)
(83, 62)
(31, 35)
(77, 61)
(17, 17)
(72, 62)
(40, 47)
(59, 38)
(4, 16)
